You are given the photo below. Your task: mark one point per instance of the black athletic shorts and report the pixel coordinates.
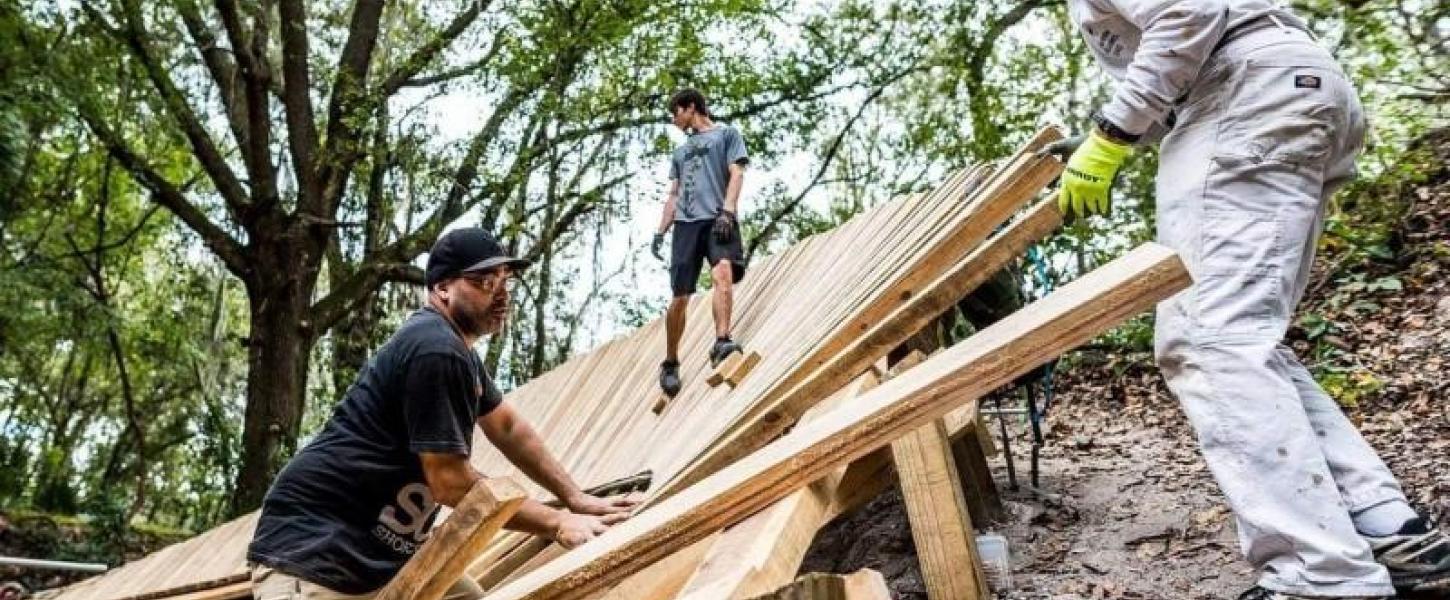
(694, 242)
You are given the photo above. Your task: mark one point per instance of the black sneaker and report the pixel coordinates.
(670, 377)
(1258, 593)
(1418, 558)
(722, 350)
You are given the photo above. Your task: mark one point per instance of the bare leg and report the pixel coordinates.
(675, 326)
(723, 296)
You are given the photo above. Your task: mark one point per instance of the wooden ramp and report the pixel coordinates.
(813, 320)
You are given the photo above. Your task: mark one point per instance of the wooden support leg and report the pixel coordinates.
(455, 543)
(984, 503)
(940, 526)
(936, 506)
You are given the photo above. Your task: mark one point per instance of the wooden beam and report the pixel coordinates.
(455, 543)
(993, 357)
(866, 584)
(936, 508)
(835, 363)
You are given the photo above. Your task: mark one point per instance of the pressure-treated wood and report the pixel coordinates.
(984, 502)
(455, 543)
(915, 304)
(866, 584)
(664, 579)
(726, 366)
(764, 551)
(935, 499)
(231, 591)
(936, 509)
(595, 410)
(737, 374)
(994, 356)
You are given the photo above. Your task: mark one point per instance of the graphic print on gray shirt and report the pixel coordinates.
(702, 166)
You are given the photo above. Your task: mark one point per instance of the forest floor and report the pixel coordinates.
(1126, 506)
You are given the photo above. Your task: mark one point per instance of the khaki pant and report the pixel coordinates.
(268, 584)
(1269, 131)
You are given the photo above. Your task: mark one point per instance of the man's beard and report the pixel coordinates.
(479, 321)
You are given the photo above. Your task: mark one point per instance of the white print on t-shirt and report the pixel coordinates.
(416, 501)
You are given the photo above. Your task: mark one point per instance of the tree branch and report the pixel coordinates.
(203, 147)
(429, 51)
(163, 192)
(348, 100)
(343, 299)
(831, 152)
(297, 95)
(219, 64)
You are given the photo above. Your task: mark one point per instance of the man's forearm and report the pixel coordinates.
(667, 216)
(732, 191)
(535, 518)
(526, 450)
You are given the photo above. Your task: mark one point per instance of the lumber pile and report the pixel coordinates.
(736, 500)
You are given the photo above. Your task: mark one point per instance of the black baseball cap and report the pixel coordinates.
(466, 250)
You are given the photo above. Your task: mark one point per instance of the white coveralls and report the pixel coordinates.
(1267, 128)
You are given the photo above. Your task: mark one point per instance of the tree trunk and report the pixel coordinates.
(352, 339)
(277, 358)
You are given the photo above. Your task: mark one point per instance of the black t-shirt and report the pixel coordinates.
(353, 506)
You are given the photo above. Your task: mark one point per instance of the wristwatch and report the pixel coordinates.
(1112, 131)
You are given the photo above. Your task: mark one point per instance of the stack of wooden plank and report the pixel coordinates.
(819, 315)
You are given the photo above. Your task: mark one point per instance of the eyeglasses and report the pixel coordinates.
(490, 280)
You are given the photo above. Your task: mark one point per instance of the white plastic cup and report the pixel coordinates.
(996, 561)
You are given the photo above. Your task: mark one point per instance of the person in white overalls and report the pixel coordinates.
(1261, 127)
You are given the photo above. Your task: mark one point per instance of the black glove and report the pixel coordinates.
(1063, 148)
(654, 246)
(724, 226)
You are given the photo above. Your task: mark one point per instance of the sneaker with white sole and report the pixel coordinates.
(1418, 558)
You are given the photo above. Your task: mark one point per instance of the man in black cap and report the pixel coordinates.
(353, 506)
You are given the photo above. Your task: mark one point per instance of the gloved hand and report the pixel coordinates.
(1087, 181)
(724, 226)
(657, 244)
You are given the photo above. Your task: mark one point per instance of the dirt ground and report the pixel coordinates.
(1127, 508)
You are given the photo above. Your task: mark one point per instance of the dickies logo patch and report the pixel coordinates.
(1306, 81)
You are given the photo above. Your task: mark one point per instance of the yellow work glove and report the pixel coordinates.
(1087, 181)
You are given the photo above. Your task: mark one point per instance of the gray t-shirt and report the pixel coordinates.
(702, 165)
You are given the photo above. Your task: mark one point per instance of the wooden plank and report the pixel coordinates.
(936, 509)
(453, 545)
(736, 375)
(866, 584)
(664, 579)
(728, 365)
(994, 356)
(764, 551)
(895, 314)
(235, 591)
